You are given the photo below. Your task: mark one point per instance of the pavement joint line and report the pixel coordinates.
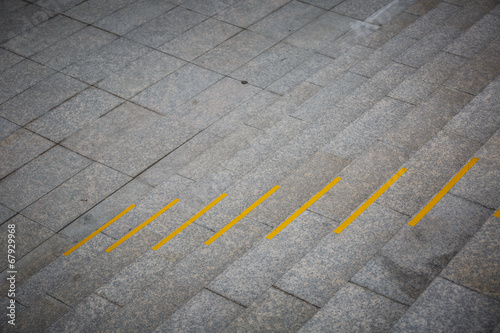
(242, 215)
(443, 191)
(142, 225)
(370, 201)
(497, 213)
(303, 208)
(86, 239)
(188, 222)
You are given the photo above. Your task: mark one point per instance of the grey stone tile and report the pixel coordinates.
(298, 187)
(359, 32)
(337, 257)
(28, 236)
(234, 52)
(300, 74)
(112, 141)
(468, 15)
(446, 306)
(320, 32)
(19, 148)
(5, 214)
(177, 88)
(409, 262)
(478, 72)
(4, 302)
(40, 315)
(8, 59)
(218, 153)
(133, 15)
(286, 20)
(85, 317)
(355, 309)
(440, 68)
(326, 4)
(214, 103)
(18, 20)
(140, 74)
(271, 65)
(244, 13)
(423, 6)
(360, 180)
(427, 119)
(20, 77)
(105, 211)
(275, 311)
(43, 35)
(253, 273)
(108, 59)
(413, 90)
(165, 27)
(208, 8)
(205, 312)
(488, 98)
(7, 128)
(362, 133)
(56, 5)
(40, 176)
(74, 114)
(243, 113)
(383, 56)
(199, 39)
(40, 98)
(359, 9)
(12, 5)
(93, 10)
(477, 37)
(75, 196)
(428, 171)
(73, 48)
(430, 21)
(428, 47)
(388, 31)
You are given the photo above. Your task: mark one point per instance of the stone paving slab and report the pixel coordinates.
(244, 13)
(7, 128)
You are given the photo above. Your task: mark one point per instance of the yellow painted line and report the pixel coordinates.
(242, 215)
(443, 191)
(86, 239)
(368, 202)
(303, 208)
(188, 222)
(140, 226)
(497, 214)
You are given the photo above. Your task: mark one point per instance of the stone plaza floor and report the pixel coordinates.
(250, 166)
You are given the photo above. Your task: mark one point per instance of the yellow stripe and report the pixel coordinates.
(303, 208)
(86, 239)
(497, 214)
(242, 215)
(142, 225)
(188, 222)
(443, 191)
(368, 202)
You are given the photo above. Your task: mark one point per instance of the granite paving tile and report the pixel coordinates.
(326, 4)
(320, 32)
(254, 272)
(413, 258)
(244, 13)
(422, 6)
(93, 10)
(19, 20)
(40, 176)
(4, 302)
(201, 38)
(140, 74)
(322, 272)
(388, 31)
(6, 128)
(75, 196)
(476, 266)
(355, 309)
(57, 5)
(477, 37)
(294, 15)
(359, 32)
(234, 52)
(40, 98)
(10, 6)
(108, 59)
(446, 306)
(205, 312)
(177, 88)
(19, 148)
(359, 9)
(165, 27)
(73, 48)
(440, 68)
(469, 14)
(208, 8)
(5, 214)
(271, 65)
(74, 114)
(133, 15)
(43, 35)
(275, 311)
(20, 77)
(431, 20)
(8, 59)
